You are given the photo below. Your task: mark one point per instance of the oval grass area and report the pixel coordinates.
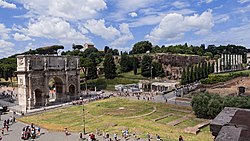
(119, 107)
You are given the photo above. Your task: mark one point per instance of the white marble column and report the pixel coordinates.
(219, 65)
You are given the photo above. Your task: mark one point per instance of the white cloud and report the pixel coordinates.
(243, 1)
(205, 1)
(173, 26)
(147, 20)
(133, 14)
(235, 35)
(69, 10)
(54, 28)
(180, 4)
(98, 27)
(21, 37)
(124, 37)
(4, 32)
(117, 37)
(221, 19)
(5, 44)
(5, 4)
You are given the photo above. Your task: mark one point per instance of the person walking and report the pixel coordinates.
(115, 136)
(181, 138)
(3, 131)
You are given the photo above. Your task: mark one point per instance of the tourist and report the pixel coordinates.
(38, 130)
(66, 132)
(14, 119)
(3, 131)
(80, 135)
(7, 128)
(158, 137)
(181, 139)
(148, 136)
(115, 136)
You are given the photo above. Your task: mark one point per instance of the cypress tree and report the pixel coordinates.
(146, 66)
(184, 77)
(109, 67)
(188, 75)
(196, 72)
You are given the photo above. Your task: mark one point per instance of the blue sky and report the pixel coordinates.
(29, 24)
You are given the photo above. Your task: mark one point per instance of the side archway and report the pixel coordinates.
(39, 100)
(72, 91)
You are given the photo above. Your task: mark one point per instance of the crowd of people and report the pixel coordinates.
(30, 132)
(138, 95)
(125, 135)
(6, 125)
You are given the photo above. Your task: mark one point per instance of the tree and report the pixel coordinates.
(192, 73)
(157, 70)
(109, 67)
(142, 47)
(126, 63)
(78, 47)
(196, 72)
(184, 77)
(200, 105)
(209, 55)
(115, 52)
(90, 66)
(135, 65)
(212, 68)
(146, 66)
(106, 48)
(188, 75)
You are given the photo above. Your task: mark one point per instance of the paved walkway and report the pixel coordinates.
(15, 129)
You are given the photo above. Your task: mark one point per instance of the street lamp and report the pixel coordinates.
(151, 72)
(83, 118)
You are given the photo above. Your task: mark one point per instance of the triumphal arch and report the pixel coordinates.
(36, 72)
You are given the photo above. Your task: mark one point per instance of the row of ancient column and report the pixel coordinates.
(228, 62)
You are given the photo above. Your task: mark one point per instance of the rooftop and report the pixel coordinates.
(231, 124)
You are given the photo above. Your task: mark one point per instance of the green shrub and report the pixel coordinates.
(216, 78)
(207, 105)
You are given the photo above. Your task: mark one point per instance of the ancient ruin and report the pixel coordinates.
(228, 62)
(34, 73)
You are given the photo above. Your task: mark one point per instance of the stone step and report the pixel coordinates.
(165, 116)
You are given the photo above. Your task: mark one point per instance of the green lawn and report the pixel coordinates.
(115, 114)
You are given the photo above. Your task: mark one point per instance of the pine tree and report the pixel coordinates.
(199, 71)
(192, 74)
(209, 67)
(205, 70)
(109, 67)
(146, 66)
(126, 63)
(188, 76)
(212, 68)
(196, 72)
(184, 77)
(135, 65)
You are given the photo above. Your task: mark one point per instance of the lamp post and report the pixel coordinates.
(151, 67)
(83, 108)
(83, 118)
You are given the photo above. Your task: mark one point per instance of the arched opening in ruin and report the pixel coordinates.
(72, 91)
(38, 98)
(55, 89)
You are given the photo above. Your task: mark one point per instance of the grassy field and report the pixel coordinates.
(116, 114)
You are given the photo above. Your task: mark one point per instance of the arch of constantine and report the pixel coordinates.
(36, 72)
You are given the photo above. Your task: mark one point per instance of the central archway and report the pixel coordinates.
(55, 89)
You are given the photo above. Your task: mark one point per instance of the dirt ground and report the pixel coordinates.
(231, 87)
